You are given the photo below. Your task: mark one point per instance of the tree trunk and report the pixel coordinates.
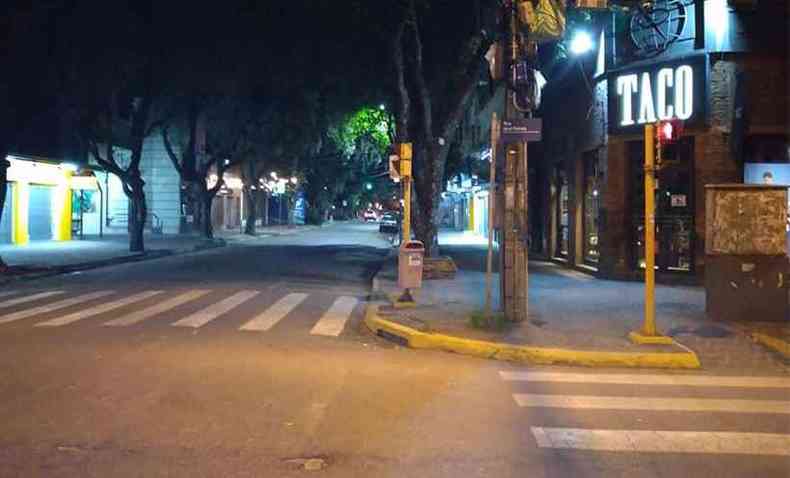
(206, 227)
(137, 219)
(291, 203)
(251, 212)
(265, 208)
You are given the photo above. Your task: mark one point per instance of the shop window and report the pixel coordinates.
(563, 213)
(674, 206)
(593, 181)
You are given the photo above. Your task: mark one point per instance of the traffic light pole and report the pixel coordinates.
(406, 224)
(649, 333)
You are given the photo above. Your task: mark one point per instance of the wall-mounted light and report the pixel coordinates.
(581, 43)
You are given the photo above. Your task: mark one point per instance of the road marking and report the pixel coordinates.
(160, 308)
(635, 379)
(654, 441)
(334, 320)
(201, 318)
(269, 317)
(98, 309)
(30, 298)
(652, 403)
(23, 314)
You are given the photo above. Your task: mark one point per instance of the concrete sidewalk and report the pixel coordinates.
(574, 311)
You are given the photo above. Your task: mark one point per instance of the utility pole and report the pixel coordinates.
(514, 277)
(491, 212)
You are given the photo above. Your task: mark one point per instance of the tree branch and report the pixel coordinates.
(170, 153)
(419, 77)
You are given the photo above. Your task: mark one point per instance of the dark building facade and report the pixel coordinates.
(719, 67)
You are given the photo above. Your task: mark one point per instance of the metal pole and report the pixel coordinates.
(491, 211)
(649, 327)
(406, 181)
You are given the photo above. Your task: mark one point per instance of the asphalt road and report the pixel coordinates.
(249, 360)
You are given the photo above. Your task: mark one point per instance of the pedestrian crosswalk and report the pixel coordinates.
(193, 308)
(710, 405)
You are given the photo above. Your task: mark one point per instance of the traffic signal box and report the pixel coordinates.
(400, 163)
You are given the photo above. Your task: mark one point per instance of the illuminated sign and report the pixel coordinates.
(657, 92)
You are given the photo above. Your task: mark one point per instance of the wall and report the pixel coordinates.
(162, 184)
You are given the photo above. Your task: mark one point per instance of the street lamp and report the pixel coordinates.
(273, 175)
(581, 43)
(294, 180)
(368, 186)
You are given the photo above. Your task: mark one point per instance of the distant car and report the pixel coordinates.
(370, 216)
(389, 224)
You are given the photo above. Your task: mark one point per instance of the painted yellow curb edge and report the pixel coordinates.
(527, 354)
(777, 345)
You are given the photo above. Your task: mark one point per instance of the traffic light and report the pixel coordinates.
(669, 131)
(395, 167)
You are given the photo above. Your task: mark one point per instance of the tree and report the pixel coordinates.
(438, 73)
(102, 131)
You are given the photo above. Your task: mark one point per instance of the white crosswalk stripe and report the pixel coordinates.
(334, 320)
(99, 309)
(201, 318)
(661, 441)
(150, 304)
(29, 298)
(156, 309)
(275, 313)
(641, 440)
(644, 379)
(44, 309)
(580, 402)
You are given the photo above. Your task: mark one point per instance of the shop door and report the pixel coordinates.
(674, 206)
(6, 220)
(40, 213)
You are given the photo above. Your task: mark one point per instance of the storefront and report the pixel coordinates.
(6, 220)
(38, 201)
(731, 104)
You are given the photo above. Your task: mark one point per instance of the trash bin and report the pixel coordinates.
(410, 262)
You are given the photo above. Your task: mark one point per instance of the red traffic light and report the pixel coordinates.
(669, 131)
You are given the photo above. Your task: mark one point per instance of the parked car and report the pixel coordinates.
(370, 216)
(390, 223)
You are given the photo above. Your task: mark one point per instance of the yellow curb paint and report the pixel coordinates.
(774, 343)
(641, 339)
(529, 354)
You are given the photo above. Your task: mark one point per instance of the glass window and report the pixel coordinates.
(563, 213)
(592, 201)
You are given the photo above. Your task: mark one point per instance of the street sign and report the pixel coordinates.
(522, 130)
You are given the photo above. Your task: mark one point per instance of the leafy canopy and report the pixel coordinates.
(369, 123)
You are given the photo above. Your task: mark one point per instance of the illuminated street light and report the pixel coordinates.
(294, 180)
(382, 107)
(581, 43)
(368, 186)
(273, 175)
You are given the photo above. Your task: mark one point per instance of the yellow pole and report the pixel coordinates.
(649, 327)
(406, 180)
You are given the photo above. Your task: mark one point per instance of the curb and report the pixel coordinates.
(415, 339)
(113, 261)
(778, 345)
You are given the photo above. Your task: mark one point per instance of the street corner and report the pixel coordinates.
(408, 336)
